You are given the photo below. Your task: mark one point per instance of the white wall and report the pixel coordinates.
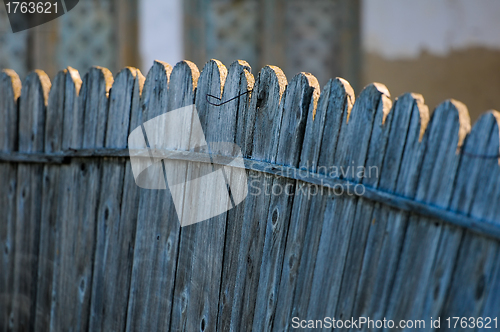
(160, 32)
(399, 29)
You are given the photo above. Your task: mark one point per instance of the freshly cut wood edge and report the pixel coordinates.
(195, 72)
(351, 97)
(222, 73)
(313, 82)
(45, 83)
(424, 113)
(463, 120)
(131, 69)
(108, 78)
(75, 77)
(140, 80)
(385, 99)
(281, 78)
(136, 73)
(15, 81)
(166, 66)
(248, 74)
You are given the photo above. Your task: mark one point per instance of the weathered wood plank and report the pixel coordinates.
(201, 245)
(10, 90)
(130, 196)
(448, 127)
(32, 113)
(382, 169)
(182, 89)
(300, 98)
(113, 259)
(353, 150)
(262, 123)
(387, 227)
(491, 305)
(78, 242)
(50, 224)
(467, 180)
(467, 283)
(73, 84)
(152, 230)
(320, 143)
(239, 80)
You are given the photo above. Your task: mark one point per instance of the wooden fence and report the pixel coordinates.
(84, 248)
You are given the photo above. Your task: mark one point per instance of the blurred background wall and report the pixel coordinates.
(440, 48)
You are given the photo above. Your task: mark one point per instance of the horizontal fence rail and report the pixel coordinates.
(484, 227)
(353, 207)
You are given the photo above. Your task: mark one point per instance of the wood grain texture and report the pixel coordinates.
(79, 236)
(151, 249)
(320, 143)
(10, 90)
(448, 127)
(32, 114)
(473, 258)
(201, 246)
(113, 259)
(353, 150)
(239, 80)
(50, 222)
(72, 87)
(183, 83)
(382, 169)
(299, 99)
(491, 303)
(263, 118)
(386, 225)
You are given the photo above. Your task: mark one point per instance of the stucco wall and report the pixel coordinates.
(440, 48)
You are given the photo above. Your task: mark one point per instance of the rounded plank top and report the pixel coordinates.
(10, 90)
(32, 111)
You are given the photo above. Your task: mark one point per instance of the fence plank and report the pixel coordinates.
(50, 225)
(387, 225)
(33, 102)
(472, 257)
(320, 143)
(491, 304)
(387, 162)
(130, 201)
(182, 87)
(239, 80)
(147, 274)
(300, 98)
(221, 124)
(451, 236)
(262, 123)
(72, 87)
(78, 242)
(10, 90)
(339, 211)
(201, 245)
(448, 127)
(112, 263)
